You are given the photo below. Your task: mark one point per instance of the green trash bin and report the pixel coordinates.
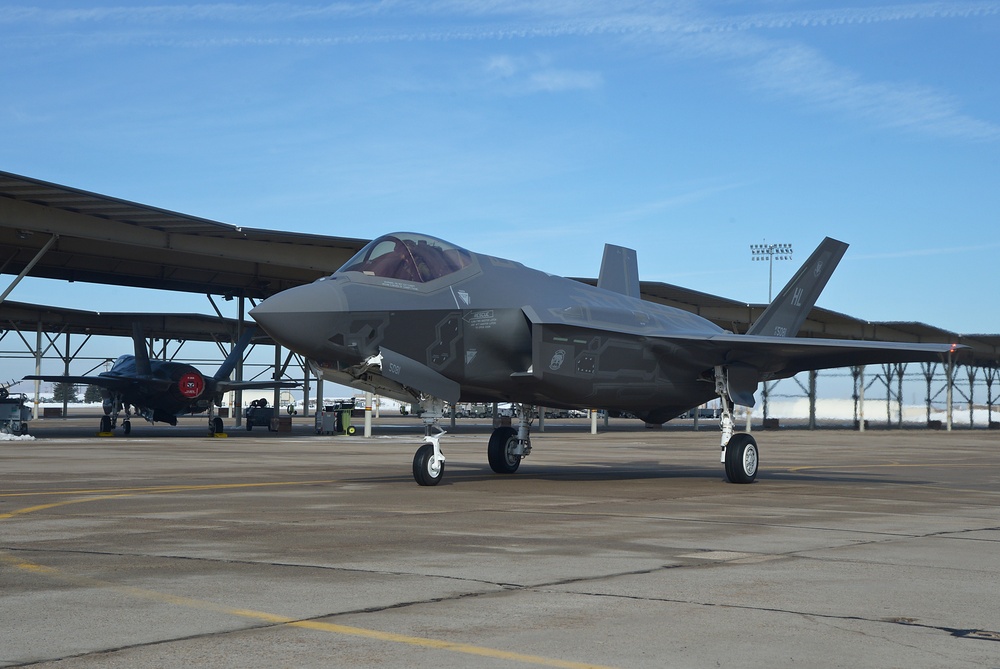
(343, 425)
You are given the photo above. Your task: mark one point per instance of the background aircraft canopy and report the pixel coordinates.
(409, 257)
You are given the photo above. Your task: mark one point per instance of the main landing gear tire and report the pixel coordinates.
(741, 458)
(427, 470)
(217, 426)
(105, 423)
(500, 452)
(127, 427)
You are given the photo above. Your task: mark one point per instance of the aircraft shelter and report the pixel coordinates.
(58, 232)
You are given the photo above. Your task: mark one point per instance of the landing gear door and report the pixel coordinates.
(742, 384)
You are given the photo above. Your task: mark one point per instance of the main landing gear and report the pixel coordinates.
(109, 421)
(739, 451)
(215, 426)
(506, 448)
(507, 445)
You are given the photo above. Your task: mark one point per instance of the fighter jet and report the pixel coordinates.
(162, 390)
(421, 320)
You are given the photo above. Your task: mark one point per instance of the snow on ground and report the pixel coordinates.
(15, 437)
(875, 411)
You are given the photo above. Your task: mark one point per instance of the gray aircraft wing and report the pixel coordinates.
(783, 357)
(751, 359)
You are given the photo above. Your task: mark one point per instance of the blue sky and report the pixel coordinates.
(539, 131)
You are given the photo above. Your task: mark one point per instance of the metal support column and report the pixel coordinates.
(306, 389)
(237, 407)
(368, 414)
(929, 368)
(950, 368)
(812, 399)
(858, 372)
(991, 376)
(971, 372)
(277, 376)
(38, 369)
(900, 372)
(66, 359)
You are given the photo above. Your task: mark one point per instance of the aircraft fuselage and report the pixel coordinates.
(502, 332)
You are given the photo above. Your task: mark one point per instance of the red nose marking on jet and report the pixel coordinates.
(191, 385)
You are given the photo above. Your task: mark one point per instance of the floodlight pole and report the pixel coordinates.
(769, 251)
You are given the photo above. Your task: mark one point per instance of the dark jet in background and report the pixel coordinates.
(421, 320)
(161, 390)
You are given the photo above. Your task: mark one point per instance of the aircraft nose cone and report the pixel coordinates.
(302, 318)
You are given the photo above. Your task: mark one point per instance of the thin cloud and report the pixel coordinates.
(805, 74)
(688, 196)
(855, 16)
(520, 75)
(795, 70)
(922, 253)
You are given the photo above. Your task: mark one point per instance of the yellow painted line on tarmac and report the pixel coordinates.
(161, 488)
(251, 614)
(53, 505)
(114, 493)
(274, 619)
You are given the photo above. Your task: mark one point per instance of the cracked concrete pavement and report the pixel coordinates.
(623, 549)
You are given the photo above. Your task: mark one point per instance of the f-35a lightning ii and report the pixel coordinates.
(421, 320)
(162, 390)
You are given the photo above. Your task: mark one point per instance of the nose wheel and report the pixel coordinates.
(428, 461)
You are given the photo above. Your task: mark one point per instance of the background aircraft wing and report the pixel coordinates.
(109, 382)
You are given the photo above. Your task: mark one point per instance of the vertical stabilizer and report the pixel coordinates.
(229, 364)
(142, 367)
(786, 314)
(619, 271)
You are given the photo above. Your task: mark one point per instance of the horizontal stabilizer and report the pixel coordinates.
(619, 271)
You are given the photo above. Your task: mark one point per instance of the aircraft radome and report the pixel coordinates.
(418, 319)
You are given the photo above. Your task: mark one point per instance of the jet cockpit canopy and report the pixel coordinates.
(408, 256)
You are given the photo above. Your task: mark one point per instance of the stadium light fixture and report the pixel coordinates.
(770, 253)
